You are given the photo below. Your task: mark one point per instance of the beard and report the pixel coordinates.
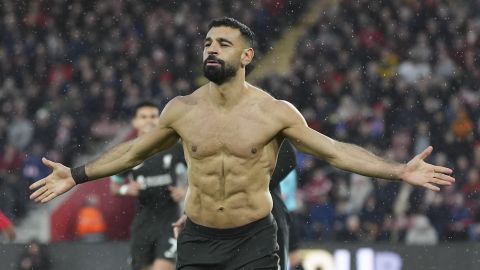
(218, 74)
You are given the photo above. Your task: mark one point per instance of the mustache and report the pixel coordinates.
(213, 58)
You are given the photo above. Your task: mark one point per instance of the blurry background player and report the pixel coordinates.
(6, 228)
(160, 184)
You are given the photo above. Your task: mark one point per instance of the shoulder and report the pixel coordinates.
(188, 100)
(262, 98)
(172, 111)
(180, 102)
(286, 111)
(180, 105)
(267, 100)
(283, 111)
(284, 106)
(280, 110)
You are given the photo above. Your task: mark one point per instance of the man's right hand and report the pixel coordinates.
(133, 188)
(178, 225)
(56, 183)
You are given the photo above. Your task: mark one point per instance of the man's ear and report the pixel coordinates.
(247, 57)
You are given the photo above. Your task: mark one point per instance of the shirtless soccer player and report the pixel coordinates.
(230, 132)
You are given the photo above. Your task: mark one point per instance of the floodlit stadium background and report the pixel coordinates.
(393, 76)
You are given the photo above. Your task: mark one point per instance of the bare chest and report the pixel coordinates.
(242, 133)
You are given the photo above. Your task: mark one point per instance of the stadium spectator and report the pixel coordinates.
(90, 224)
(421, 232)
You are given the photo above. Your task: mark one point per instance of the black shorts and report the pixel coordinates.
(252, 246)
(152, 238)
(286, 237)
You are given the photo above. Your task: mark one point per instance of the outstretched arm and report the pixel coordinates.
(131, 153)
(356, 159)
(120, 158)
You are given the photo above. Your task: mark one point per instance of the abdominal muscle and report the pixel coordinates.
(225, 193)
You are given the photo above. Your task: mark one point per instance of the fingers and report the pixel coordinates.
(176, 228)
(441, 169)
(42, 196)
(444, 177)
(180, 221)
(49, 197)
(431, 187)
(441, 182)
(38, 193)
(176, 232)
(177, 223)
(38, 184)
(425, 153)
(48, 163)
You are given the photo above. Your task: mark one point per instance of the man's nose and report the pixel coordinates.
(212, 49)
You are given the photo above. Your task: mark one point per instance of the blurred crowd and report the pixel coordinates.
(393, 76)
(72, 71)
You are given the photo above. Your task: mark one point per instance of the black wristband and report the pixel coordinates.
(79, 175)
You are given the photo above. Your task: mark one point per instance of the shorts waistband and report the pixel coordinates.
(231, 232)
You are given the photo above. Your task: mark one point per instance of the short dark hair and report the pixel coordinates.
(144, 104)
(246, 32)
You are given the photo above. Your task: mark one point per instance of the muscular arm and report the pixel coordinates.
(120, 158)
(131, 153)
(356, 159)
(344, 156)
